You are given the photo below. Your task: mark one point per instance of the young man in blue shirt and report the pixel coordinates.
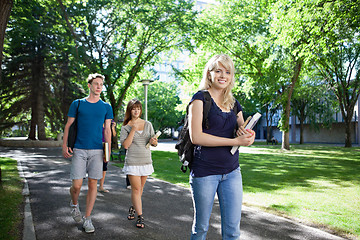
(88, 155)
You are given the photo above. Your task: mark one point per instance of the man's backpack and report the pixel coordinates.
(184, 145)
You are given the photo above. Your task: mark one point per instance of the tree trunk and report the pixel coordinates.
(114, 139)
(285, 136)
(114, 142)
(267, 126)
(302, 120)
(5, 10)
(66, 97)
(37, 96)
(40, 74)
(32, 132)
(348, 143)
(301, 131)
(285, 140)
(285, 126)
(347, 112)
(41, 117)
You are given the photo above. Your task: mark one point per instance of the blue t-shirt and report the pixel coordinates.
(91, 117)
(216, 160)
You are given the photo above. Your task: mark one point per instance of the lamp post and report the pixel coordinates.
(145, 83)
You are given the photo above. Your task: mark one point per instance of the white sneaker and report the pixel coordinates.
(88, 226)
(75, 212)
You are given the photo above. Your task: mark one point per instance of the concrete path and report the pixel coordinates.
(167, 207)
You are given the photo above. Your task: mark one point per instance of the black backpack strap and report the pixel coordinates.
(235, 109)
(206, 110)
(77, 109)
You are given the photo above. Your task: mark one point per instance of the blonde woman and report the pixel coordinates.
(135, 134)
(214, 169)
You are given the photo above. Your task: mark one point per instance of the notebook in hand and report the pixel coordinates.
(158, 133)
(249, 124)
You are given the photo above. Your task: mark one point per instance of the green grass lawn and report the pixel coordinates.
(11, 200)
(320, 185)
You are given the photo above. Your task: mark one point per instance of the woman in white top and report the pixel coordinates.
(135, 134)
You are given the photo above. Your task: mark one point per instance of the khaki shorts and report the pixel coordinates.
(87, 161)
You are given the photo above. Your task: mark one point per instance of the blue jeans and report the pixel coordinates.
(229, 190)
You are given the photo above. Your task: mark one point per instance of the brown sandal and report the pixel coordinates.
(140, 222)
(131, 215)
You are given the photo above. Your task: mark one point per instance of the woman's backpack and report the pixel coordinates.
(184, 145)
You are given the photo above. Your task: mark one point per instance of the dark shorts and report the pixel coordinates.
(105, 166)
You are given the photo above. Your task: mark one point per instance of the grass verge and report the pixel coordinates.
(11, 200)
(318, 185)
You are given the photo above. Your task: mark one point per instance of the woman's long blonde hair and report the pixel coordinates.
(212, 64)
(132, 104)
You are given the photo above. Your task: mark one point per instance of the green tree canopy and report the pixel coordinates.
(36, 74)
(338, 53)
(120, 39)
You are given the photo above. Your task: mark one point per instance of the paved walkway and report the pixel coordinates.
(167, 207)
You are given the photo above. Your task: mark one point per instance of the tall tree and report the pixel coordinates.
(338, 53)
(325, 33)
(122, 38)
(25, 65)
(291, 28)
(245, 29)
(35, 54)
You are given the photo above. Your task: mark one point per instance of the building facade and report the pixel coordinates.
(334, 134)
